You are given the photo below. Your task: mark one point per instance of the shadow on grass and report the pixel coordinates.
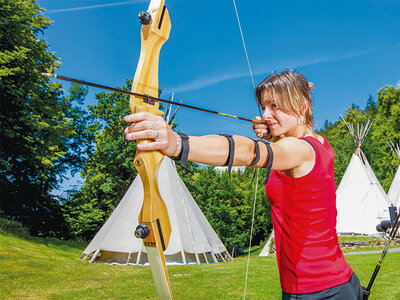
(16, 229)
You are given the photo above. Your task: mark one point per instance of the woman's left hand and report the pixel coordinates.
(260, 129)
(147, 126)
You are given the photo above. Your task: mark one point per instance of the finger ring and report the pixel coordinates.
(153, 125)
(157, 135)
(265, 134)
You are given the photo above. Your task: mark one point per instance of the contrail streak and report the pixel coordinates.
(292, 63)
(96, 6)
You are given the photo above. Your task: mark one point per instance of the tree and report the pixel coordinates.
(109, 170)
(39, 127)
(371, 108)
(386, 128)
(228, 205)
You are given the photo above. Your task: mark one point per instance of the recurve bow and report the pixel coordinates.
(154, 224)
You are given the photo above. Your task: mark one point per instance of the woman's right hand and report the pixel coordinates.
(261, 129)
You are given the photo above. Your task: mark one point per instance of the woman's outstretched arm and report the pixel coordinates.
(289, 153)
(210, 149)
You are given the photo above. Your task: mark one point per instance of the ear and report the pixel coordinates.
(306, 105)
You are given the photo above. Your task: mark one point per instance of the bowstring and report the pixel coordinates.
(257, 172)
(244, 44)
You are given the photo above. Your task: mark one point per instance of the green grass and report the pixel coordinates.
(38, 268)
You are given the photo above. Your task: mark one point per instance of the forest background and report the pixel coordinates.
(47, 132)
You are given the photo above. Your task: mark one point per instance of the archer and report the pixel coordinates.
(301, 186)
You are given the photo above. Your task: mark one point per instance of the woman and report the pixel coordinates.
(301, 187)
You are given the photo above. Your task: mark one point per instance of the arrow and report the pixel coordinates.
(147, 98)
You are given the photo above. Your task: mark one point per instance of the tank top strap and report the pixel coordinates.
(315, 143)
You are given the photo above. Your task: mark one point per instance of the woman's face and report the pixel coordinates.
(279, 122)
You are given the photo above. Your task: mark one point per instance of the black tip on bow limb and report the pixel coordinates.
(365, 293)
(142, 231)
(144, 18)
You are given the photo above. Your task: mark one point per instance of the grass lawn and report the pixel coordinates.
(38, 268)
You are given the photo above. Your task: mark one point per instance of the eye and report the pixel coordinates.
(274, 106)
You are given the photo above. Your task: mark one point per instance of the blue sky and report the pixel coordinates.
(348, 49)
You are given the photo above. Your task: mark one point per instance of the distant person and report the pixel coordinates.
(301, 186)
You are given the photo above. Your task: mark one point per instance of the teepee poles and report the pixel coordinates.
(359, 133)
(395, 148)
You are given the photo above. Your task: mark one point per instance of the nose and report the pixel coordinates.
(267, 114)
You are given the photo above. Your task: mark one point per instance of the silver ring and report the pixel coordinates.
(157, 135)
(153, 125)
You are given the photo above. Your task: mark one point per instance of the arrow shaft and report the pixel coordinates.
(149, 98)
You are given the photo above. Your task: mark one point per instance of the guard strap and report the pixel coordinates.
(231, 155)
(257, 150)
(185, 149)
(184, 153)
(268, 165)
(256, 159)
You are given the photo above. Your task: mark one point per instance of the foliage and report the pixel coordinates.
(41, 132)
(386, 128)
(13, 227)
(228, 206)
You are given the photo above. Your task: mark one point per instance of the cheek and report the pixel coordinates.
(287, 119)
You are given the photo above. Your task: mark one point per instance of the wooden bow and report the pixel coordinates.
(154, 224)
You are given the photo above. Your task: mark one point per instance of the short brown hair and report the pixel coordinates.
(289, 89)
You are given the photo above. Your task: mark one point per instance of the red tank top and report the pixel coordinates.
(304, 218)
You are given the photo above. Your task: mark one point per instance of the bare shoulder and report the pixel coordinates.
(292, 152)
(293, 144)
(294, 156)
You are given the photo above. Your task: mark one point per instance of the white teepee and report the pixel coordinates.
(361, 201)
(394, 190)
(192, 238)
(266, 251)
